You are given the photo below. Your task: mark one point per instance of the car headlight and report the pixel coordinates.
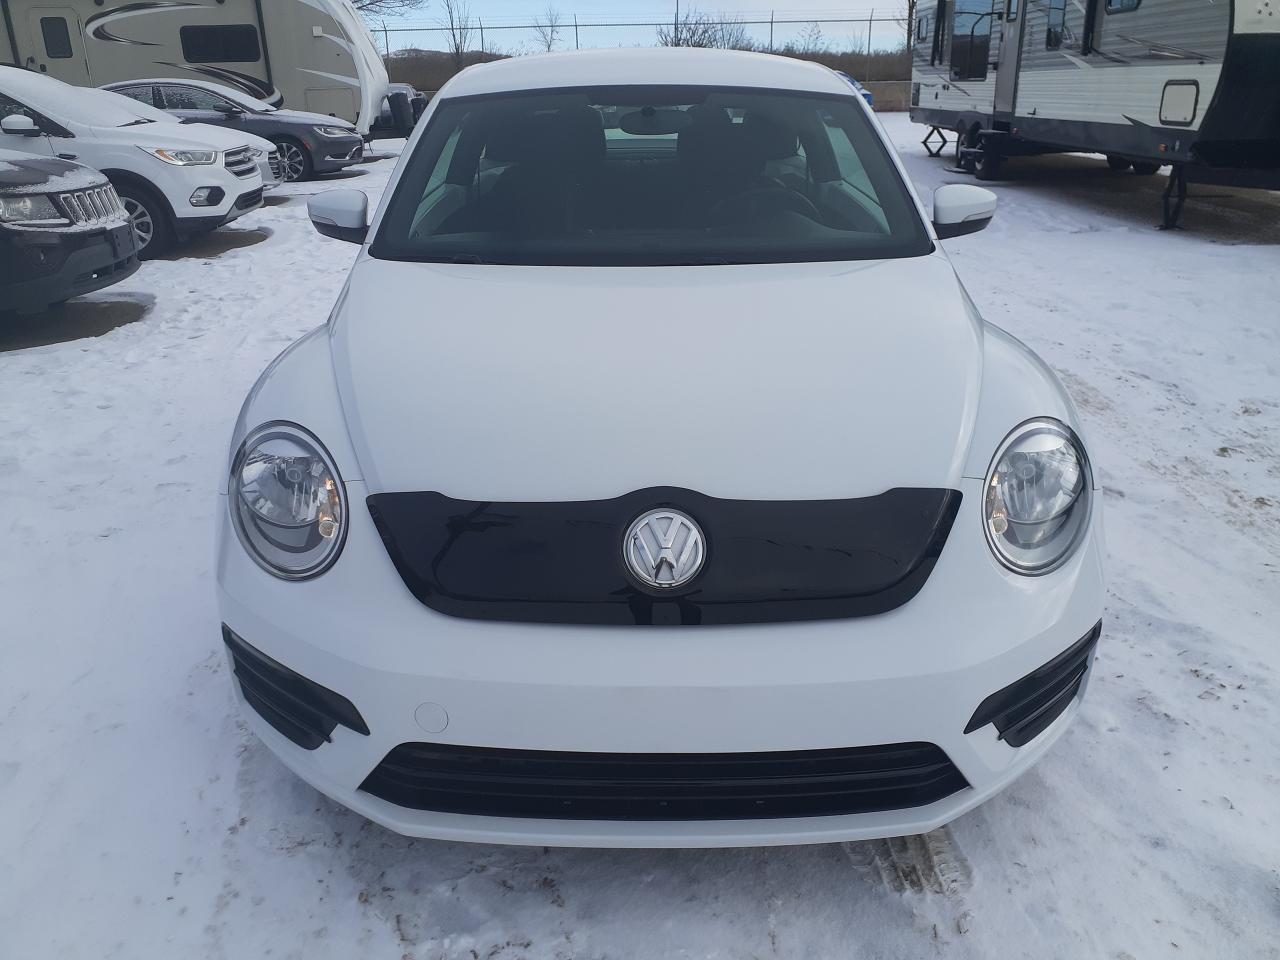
(28, 210)
(287, 501)
(333, 131)
(183, 158)
(1038, 496)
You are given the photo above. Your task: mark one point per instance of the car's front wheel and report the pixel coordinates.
(295, 160)
(149, 219)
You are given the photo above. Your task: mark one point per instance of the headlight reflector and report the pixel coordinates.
(287, 501)
(1038, 496)
(183, 158)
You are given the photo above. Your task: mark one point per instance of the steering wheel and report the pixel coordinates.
(757, 200)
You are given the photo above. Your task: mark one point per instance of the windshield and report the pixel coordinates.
(245, 101)
(650, 176)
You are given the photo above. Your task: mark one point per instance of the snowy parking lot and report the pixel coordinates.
(139, 818)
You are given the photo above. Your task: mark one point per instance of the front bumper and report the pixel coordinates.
(335, 153)
(59, 263)
(915, 674)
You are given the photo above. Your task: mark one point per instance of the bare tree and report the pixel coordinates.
(546, 28)
(458, 29)
(811, 40)
(907, 18)
(384, 7)
(696, 29)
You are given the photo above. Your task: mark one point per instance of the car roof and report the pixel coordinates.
(677, 66)
(231, 93)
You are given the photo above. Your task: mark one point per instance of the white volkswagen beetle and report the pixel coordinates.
(654, 481)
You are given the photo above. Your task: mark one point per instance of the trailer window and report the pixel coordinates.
(971, 40)
(1122, 6)
(233, 43)
(57, 39)
(1057, 24)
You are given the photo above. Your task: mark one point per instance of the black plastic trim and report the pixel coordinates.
(301, 709)
(767, 560)
(544, 784)
(1024, 709)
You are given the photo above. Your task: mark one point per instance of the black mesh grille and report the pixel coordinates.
(648, 786)
(249, 200)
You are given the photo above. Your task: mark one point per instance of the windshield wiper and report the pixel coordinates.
(134, 123)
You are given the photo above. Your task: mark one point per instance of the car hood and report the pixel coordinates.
(312, 119)
(225, 138)
(189, 136)
(776, 381)
(22, 173)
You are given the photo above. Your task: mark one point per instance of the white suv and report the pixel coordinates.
(175, 181)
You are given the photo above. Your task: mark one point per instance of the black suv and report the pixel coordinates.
(63, 232)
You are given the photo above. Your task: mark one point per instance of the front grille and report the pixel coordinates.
(1024, 709)
(301, 709)
(663, 786)
(95, 205)
(247, 201)
(277, 167)
(240, 162)
(770, 560)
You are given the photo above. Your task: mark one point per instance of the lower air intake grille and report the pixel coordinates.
(299, 708)
(248, 201)
(1024, 709)
(663, 786)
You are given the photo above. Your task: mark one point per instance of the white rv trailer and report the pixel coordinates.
(1192, 83)
(314, 55)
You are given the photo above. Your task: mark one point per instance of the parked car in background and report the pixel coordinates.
(309, 143)
(862, 91)
(264, 152)
(174, 182)
(63, 232)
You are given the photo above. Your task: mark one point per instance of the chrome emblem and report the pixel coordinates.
(664, 549)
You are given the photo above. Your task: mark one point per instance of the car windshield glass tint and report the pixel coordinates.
(650, 176)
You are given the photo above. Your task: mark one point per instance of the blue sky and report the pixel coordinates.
(497, 15)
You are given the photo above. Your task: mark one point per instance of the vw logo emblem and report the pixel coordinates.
(664, 549)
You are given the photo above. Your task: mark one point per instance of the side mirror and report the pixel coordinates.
(19, 125)
(340, 214)
(960, 208)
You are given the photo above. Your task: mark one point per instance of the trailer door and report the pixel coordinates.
(56, 44)
(1010, 53)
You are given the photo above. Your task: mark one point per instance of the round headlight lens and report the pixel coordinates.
(287, 501)
(1038, 494)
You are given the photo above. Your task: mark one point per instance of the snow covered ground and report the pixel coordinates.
(139, 819)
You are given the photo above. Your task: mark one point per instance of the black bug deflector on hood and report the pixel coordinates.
(767, 560)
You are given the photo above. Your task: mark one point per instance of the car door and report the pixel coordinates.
(41, 145)
(57, 44)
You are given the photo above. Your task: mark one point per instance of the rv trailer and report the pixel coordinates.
(1191, 83)
(314, 55)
